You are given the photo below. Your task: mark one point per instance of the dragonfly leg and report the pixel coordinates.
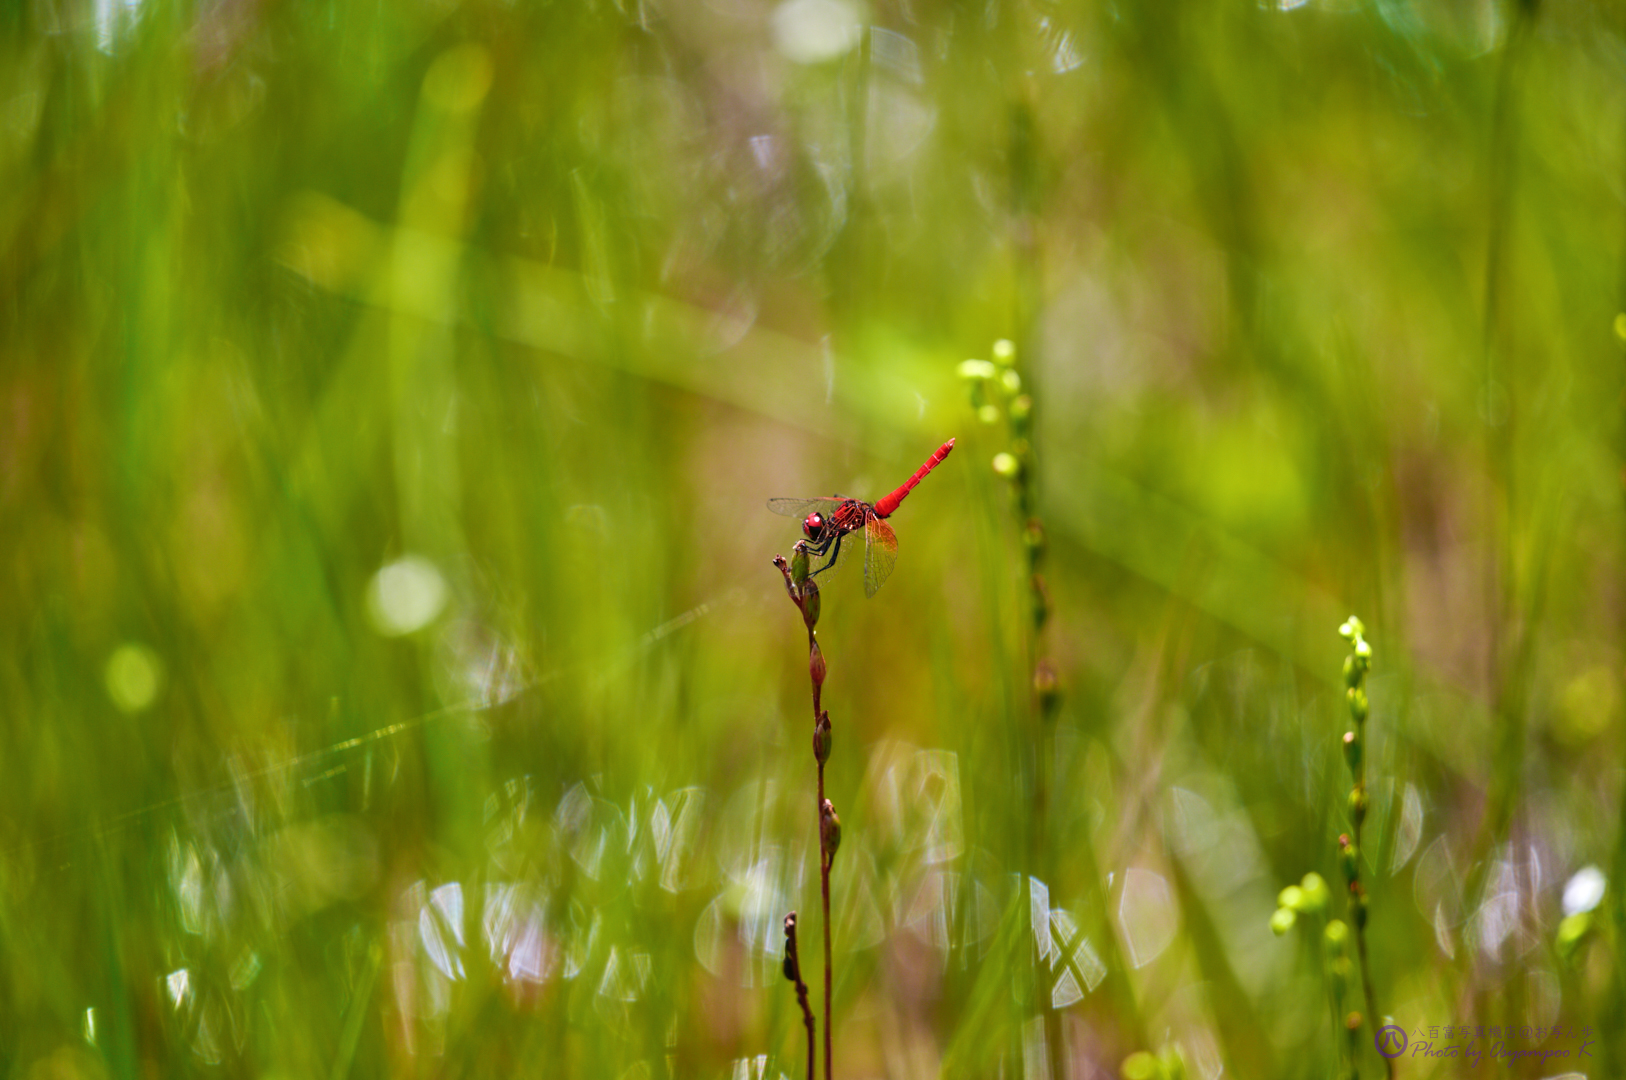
(835, 552)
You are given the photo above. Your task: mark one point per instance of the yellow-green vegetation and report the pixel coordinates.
(393, 677)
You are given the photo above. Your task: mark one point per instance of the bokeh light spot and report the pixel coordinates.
(810, 31)
(405, 596)
(134, 676)
(459, 79)
(1584, 891)
(1148, 916)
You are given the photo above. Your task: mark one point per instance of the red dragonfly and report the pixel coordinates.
(826, 522)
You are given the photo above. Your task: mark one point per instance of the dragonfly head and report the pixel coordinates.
(813, 525)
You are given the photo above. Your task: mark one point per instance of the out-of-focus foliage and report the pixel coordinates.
(393, 679)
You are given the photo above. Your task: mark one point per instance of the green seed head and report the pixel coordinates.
(1282, 921)
(1140, 1066)
(810, 603)
(1349, 857)
(1314, 893)
(976, 370)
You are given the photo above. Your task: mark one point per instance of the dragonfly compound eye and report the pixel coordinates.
(813, 525)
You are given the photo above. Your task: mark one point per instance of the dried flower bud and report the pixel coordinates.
(815, 665)
(1357, 806)
(829, 831)
(1046, 688)
(821, 738)
(792, 967)
(799, 563)
(1352, 752)
(1350, 856)
(1033, 537)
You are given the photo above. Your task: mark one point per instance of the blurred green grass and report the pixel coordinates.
(394, 681)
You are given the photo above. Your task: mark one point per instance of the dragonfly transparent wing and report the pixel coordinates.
(800, 508)
(880, 554)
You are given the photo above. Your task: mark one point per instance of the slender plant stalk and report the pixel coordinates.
(1355, 668)
(804, 593)
(793, 972)
(1613, 1007)
(1001, 382)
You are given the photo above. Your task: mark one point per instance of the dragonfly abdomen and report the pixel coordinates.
(885, 507)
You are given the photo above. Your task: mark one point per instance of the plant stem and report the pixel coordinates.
(1355, 750)
(805, 595)
(824, 889)
(793, 972)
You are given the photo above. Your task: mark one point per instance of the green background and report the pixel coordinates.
(393, 677)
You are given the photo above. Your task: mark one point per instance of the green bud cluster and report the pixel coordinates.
(1144, 1065)
(1356, 666)
(1308, 897)
(996, 391)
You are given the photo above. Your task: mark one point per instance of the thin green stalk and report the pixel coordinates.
(1356, 667)
(1506, 663)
